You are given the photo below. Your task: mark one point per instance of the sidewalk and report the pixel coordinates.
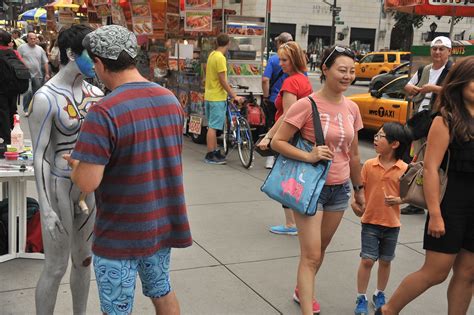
(235, 265)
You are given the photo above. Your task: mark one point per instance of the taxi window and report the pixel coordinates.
(392, 57)
(395, 89)
(378, 58)
(404, 57)
(367, 59)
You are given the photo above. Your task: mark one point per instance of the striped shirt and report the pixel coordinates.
(136, 132)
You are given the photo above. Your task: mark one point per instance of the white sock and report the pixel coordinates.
(377, 292)
(362, 294)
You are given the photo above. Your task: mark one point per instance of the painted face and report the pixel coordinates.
(85, 64)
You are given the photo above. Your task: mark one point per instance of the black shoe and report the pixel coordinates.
(211, 158)
(219, 155)
(412, 210)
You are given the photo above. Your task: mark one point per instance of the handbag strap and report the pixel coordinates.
(318, 129)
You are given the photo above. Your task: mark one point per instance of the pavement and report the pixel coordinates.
(235, 265)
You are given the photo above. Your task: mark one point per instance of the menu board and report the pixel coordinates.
(158, 17)
(118, 17)
(198, 21)
(198, 4)
(141, 17)
(244, 69)
(245, 30)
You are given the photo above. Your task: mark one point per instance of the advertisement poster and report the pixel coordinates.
(246, 30)
(141, 17)
(198, 21)
(118, 17)
(102, 10)
(173, 6)
(172, 23)
(198, 4)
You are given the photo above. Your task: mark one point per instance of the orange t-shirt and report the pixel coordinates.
(340, 124)
(379, 182)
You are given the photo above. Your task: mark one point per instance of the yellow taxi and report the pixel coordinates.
(375, 63)
(387, 104)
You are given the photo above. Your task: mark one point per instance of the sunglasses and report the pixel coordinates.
(341, 50)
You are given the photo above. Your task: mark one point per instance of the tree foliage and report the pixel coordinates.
(406, 21)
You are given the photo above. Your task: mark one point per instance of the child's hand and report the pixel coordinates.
(392, 200)
(356, 208)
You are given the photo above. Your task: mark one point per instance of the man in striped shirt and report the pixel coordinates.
(129, 153)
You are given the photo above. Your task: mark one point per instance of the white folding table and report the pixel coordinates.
(14, 181)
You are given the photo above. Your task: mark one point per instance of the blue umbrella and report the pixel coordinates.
(34, 15)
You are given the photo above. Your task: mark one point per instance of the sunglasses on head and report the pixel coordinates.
(342, 50)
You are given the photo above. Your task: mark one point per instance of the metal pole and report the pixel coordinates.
(451, 28)
(377, 47)
(267, 28)
(333, 24)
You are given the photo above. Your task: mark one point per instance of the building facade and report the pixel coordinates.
(362, 24)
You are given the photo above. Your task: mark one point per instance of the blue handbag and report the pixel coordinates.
(297, 184)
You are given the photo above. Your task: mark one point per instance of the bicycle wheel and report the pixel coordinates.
(226, 137)
(244, 142)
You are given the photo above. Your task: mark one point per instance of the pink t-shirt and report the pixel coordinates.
(339, 121)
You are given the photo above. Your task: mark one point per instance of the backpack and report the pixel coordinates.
(34, 241)
(15, 77)
(255, 115)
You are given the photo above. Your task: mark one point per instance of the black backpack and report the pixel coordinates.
(15, 77)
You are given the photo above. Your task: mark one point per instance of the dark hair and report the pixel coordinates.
(5, 38)
(395, 131)
(16, 32)
(71, 38)
(222, 40)
(123, 62)
(451, 102)
(332, 59)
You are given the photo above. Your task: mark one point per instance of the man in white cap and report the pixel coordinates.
(424, 87)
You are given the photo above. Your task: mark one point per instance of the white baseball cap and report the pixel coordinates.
(441, 41)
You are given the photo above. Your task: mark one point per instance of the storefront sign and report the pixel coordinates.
(118, 17)
(452, 2)
(195, 123)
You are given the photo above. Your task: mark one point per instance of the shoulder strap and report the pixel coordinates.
(272, 82)
(318, 129)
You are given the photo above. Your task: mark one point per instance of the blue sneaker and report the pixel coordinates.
(212, 158)
(378, 300)
(284, 230)
(361, 306)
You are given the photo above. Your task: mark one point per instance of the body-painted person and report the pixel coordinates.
(56, 115)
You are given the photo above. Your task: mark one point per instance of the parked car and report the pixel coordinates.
(376, 63)
(387, 104)
(380, 80)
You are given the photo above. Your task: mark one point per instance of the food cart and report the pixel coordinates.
(244, 66)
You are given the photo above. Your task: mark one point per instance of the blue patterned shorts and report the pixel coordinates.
(116, 280)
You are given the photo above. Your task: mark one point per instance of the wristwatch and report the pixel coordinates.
(358, 187)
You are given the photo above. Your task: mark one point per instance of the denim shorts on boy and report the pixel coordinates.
(116, 280)
(215, 114)
(334, 197)
(378, 242)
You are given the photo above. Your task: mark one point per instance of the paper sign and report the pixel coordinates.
(198, 21)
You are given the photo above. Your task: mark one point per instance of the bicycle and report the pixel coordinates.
(237, 133)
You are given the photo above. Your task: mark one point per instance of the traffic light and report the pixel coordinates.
(340, 36)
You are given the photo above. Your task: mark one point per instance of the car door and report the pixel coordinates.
(391, 106)
(376, 66)
(363, 67)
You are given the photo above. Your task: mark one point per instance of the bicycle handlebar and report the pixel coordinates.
(238, 86)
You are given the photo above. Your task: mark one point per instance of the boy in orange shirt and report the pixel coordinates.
(381, 216)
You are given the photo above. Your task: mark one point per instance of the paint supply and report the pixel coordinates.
(11, 156)
(17, 135)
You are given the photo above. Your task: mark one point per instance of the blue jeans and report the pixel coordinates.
(36, 83)
(334, 197)
(378, 242)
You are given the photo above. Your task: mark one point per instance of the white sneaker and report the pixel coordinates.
(269, 162)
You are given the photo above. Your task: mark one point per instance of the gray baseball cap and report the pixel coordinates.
(284, 37)
(109, 41)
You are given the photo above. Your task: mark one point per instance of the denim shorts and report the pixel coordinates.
(335, 197)
(116, 280)
(378, 242)
(215, 114)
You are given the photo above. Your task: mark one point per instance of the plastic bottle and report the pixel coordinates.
(17, 135)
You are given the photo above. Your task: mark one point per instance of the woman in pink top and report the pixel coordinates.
(340, 119)
(295, 86)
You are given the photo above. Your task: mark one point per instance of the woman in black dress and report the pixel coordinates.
(449, 229)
